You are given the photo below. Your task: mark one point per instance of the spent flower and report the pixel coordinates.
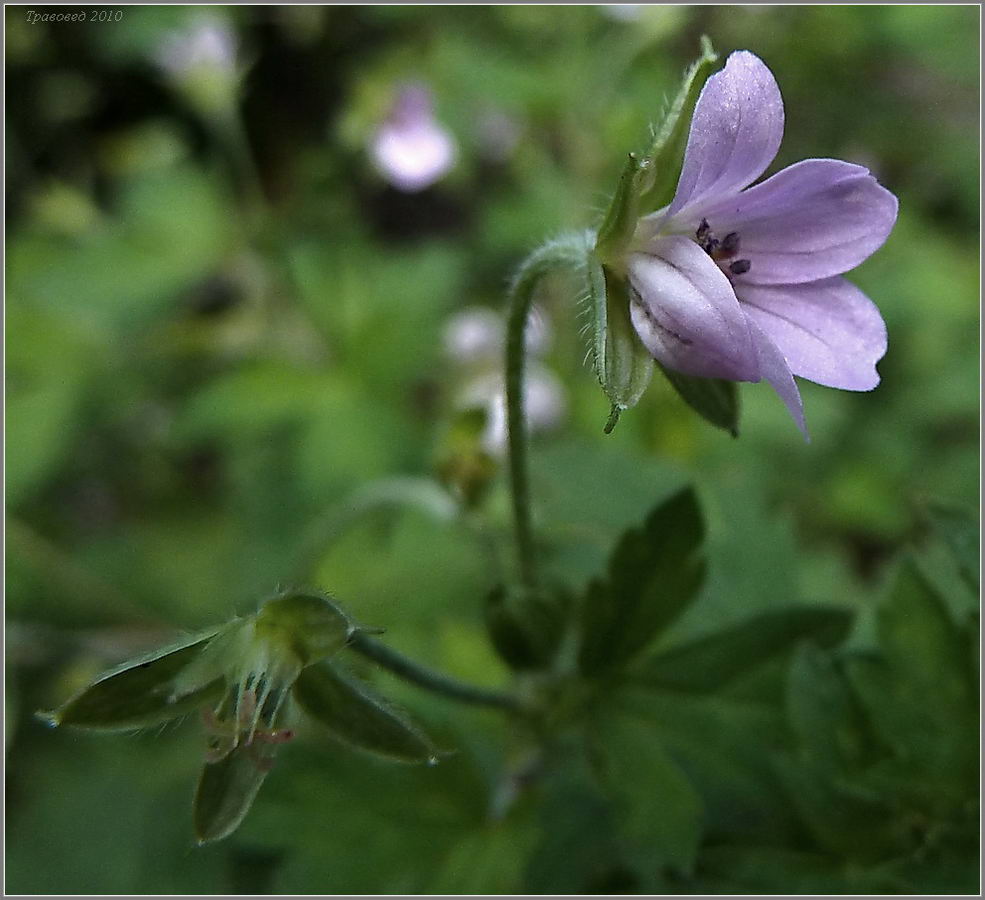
(248, 680)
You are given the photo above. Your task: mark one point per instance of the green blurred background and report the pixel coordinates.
(228, 369)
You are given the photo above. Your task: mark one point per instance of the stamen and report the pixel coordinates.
(706, 240)
(740, 267)
(730, 244)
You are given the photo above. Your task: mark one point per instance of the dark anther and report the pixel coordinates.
(740, 267)
(706, 240)
(730, 244)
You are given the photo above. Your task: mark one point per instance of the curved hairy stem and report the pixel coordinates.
(565, 253)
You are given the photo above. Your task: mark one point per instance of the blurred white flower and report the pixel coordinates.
(474, 333)
(477, 334)
(544, 403)
(209, 45)
(498, 135)
(201, 62)
(622, 12)
(538, 334)
(411, 150)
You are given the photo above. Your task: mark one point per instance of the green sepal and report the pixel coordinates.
(526, 626)
(140, 691)
(623, 365)
(226, 791)
(715, 400)
(653, 575)
(619, 224)
(358, 717)
(662, 161)
(710, 663)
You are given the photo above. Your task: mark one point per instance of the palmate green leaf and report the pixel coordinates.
(137, 693)
(359, 717)
(715, 400)
(919, 638)
(960, 530)
(776, 870)
(653, 575)
(710, 663)
(823, 714)
(920, 694)
(658, 809)
(227, 789)
(846, 818)
(578, 851)
(726, 747)
(486, 860)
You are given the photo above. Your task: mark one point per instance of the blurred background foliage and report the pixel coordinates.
(233, 364)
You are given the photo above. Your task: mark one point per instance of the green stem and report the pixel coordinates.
(429, 679)
(564, 253)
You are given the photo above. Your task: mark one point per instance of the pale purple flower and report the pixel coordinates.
(744, 283)
(411, 150)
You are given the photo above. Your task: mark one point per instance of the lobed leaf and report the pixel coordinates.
(959, 528)
(710, 663)
(823, 714)
(653, 575)
(659, 810)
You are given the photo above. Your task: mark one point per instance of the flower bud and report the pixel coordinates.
(526, 626)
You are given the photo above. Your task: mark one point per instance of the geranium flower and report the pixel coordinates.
(744, 283)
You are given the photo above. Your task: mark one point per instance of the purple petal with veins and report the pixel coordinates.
(828, 330)
(735, 133)
(814, 219)
(685, 312)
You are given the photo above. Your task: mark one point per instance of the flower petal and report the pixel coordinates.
(828, 330)
(735, 132)
(685, 312)
(814, 219)
(776, 371)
